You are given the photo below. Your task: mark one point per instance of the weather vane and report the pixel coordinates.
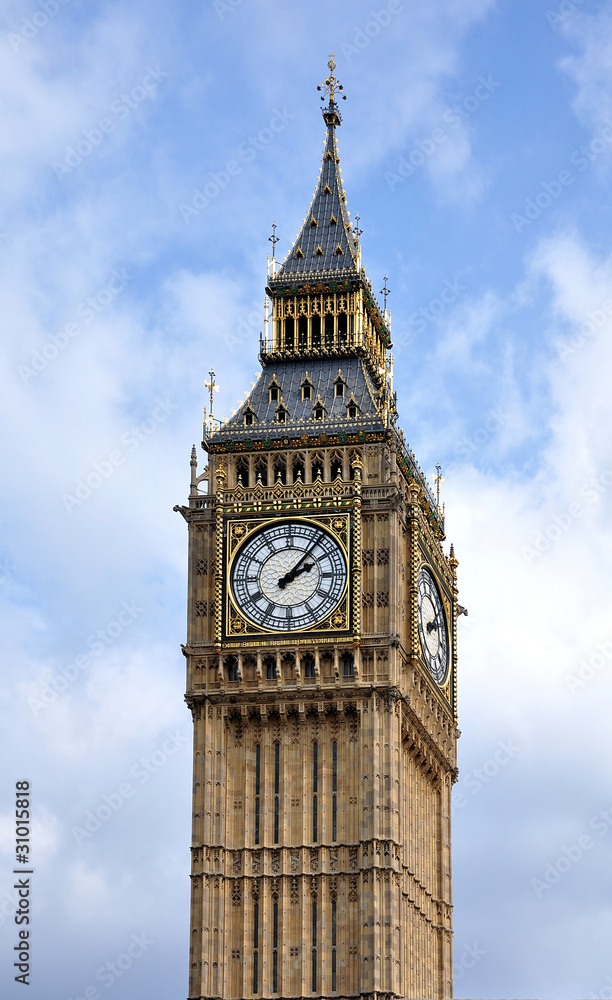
(330, 85)
(274, 239)
(385, 291)
(212, 388)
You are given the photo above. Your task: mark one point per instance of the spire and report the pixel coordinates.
(325, 245)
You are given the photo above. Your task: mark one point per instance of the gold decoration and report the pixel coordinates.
(241, 525)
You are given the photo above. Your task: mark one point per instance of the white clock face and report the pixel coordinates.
(289, 576)
(432, 626)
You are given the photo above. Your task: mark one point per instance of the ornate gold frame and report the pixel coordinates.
(447, 688)
(343, 621)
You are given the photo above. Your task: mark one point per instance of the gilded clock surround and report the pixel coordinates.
(323, 757)
(239, 529)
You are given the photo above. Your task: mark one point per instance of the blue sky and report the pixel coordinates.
(147, 148)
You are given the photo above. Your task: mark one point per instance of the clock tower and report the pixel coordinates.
(321, 655)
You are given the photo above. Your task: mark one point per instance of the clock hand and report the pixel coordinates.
(432, 624)
(291, 575)
(306, 568)
(288, 577)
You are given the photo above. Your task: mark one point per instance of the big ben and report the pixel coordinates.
(321, 654)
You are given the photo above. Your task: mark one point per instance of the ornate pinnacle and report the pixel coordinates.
(329, 87)
(212, 389)
(194, 470)
(385, 291)
(438, 480)
(273, 239)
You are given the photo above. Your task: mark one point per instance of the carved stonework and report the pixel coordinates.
(324, 745)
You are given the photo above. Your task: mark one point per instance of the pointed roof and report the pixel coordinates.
(289, 377)
(326, 244)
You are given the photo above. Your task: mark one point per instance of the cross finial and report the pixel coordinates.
(212, 388)
(329, 87)
(438, 480)
(385, 291)
(274, 239)
(356, 230)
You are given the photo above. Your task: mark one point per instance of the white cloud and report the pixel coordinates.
(536, 649)
(195, 300)
(591, 69)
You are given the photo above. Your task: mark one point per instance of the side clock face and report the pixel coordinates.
(289, 576)
(432, 626)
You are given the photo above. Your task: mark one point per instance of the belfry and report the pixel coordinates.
(321, 655)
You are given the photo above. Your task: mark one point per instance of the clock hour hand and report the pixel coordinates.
(433, 623)
(291, 575)
(306, 568)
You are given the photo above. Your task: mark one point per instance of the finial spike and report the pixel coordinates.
(385, 291)
(329, 88)
(212, 387)
(274, 239)
(438, 480)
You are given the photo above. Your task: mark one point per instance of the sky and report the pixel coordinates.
(147, 148)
